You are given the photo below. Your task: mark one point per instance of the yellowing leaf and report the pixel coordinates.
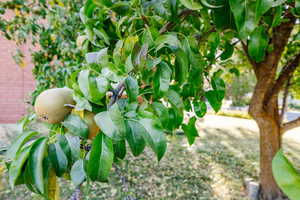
(17, 12)
(80, 113)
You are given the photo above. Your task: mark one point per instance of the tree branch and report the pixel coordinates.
(253, 63)
(168, 26)
(290, 125)
(284, 100)
(285, 74)
(203, 36)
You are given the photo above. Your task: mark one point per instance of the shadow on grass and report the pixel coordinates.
(212, 169)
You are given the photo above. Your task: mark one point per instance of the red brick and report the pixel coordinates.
(15, 83)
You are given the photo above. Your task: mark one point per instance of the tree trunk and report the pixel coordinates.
(270, 143)
(268, 120)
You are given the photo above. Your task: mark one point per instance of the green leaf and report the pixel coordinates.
(262, 6)
(162, 112)
(162, 78)
(182, 66)
(191, 4)
(170, 40)
(132, 88)
(18, 143)
(94, 89)
(213, 43)
(190, 130)
(17, 164)
(107, 3)
(223, 17)
(200, 108)
(120, 149)
(213, 98)
(297, 7)
(35, 163)
(89, 8)
(234, 71)
(175, 100)
(76, 126)
(78, 174)
(134, 137)
(258, 44)
(64, 144)
(218, 85)
(228, 51)
(99, 57)
(100, 32)
(101, 158)
(118, 52)
(155, 137)
(112, 123)
(277, 16)
(82, 103)
(207, 4)
(102, 86)
(58, 159)
(153, 62)
(286, 176)
(244, 16)
(74, 144)
(139, 55)
(83, 81)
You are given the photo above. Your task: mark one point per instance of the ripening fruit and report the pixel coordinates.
(88, 117)
(93, 128)
(50, 105)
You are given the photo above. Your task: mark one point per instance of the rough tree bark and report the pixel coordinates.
(264, 105)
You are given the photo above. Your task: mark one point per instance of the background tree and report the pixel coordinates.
(48, 26)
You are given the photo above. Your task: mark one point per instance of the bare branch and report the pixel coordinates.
(290, 125)
(285, 74)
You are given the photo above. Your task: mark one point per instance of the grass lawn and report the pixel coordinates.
(212, 169)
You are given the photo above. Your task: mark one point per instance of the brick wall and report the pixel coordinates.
(16, 83)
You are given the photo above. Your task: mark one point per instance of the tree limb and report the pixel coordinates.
(253, 63)
(168, 26)
(284, 100)
(290, 125)
(285, 74)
